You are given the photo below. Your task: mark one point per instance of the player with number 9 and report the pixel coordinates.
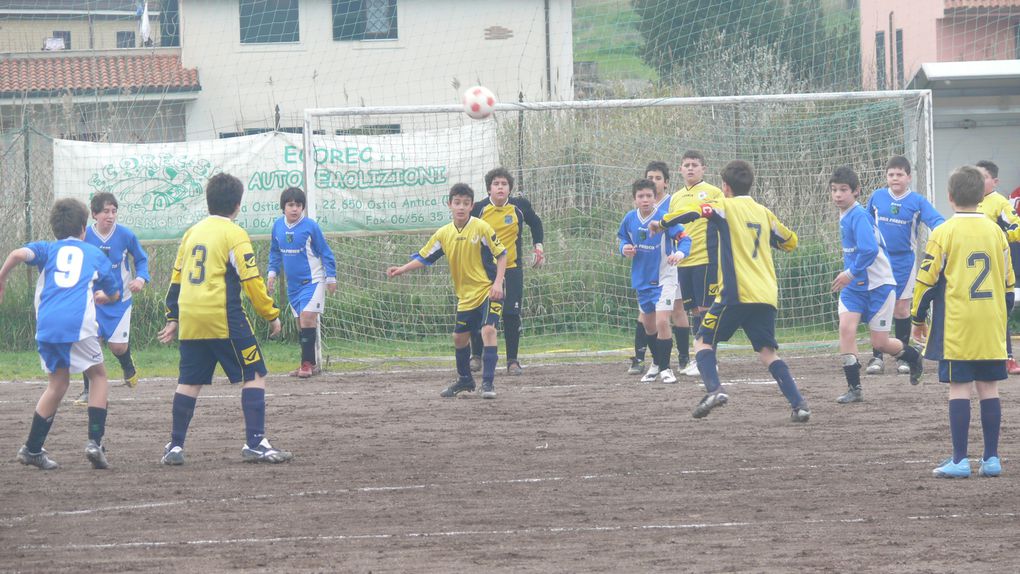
(67, 334)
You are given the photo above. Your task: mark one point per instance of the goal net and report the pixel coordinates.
(378, 180)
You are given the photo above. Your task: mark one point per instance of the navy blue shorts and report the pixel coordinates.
(241, 360)
(487, 313)
(513, 291)
(970, 371)
(693, 286)
(758, 320)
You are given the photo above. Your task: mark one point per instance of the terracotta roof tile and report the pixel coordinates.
(143, 73)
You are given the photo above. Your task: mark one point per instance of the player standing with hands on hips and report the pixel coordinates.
(215, 262)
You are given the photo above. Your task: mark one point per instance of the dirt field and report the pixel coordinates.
(572, 469)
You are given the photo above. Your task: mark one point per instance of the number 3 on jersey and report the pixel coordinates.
(197, 273)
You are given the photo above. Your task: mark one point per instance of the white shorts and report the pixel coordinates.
(309, 298)
(77, 357)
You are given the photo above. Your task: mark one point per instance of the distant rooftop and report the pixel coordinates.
(96, 75)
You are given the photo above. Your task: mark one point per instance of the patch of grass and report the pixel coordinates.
(606, 33)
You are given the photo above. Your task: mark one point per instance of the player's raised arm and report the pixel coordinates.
(686, 213)
(19, 255)
(781, 236)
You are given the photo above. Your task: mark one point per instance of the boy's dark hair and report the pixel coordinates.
(966, 186)
(659, 166)
(739, 176)
(694, 154)
(223, 194)
(641, 184)
(846, 175)
(898, 162)
(68, 218)
(462, 189)
(99, 201)
(989, 166)
(292, 194)
(498, 172)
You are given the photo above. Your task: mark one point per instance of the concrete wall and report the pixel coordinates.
(918, 20)
(441, 43)
(955, 147)
(25, 35)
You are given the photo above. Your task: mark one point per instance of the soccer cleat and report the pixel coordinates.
(475, 364)
(950, 469)
(488, 390)
(853, 395)
(172, 456)
(514, 368)
(39, 459)
(902, 367)
(650, 376)
(462, 385)
(990, 467)
(691, 370)
(801, 414)
(667, 376)
(876, 366)
(131, 380)
(1012, 366)
(96, 454)
(82, 400)
(303, 373)
(264, 452)
(916, 369)
(637, 366)
(709, 402)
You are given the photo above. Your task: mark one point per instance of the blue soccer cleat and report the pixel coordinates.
(950, 469)
(990, 467)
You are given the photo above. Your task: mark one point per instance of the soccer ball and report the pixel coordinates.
(479, 102)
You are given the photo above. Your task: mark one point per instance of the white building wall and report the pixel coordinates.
(441, 43)
(956, 146)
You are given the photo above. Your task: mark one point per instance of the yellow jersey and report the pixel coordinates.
(509, 220)
(214, 263)
(471, 252)
(965, 275)
(997, 208)
(699, 193)
(742, 262)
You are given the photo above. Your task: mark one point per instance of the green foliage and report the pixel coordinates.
(683, 40)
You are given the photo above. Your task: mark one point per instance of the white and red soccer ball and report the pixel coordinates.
(479, 102)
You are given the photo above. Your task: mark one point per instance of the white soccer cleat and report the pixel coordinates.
(652, 373)
(691, 370)
(667, 376)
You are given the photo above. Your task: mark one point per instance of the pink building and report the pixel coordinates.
(897, 36)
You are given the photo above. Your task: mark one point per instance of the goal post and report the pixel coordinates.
(378, 177)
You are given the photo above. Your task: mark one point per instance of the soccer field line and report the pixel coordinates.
(437, 485)
(513, 532)
(418, 389)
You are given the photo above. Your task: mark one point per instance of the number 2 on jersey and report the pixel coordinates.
(973, 260)
(198, 254)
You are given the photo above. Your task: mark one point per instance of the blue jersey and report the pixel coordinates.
(302, 250)
(65, 310)
(899, 218)
(117, 245)
(649, 267)
(864, 252)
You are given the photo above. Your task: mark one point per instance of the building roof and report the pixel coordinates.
(953, 4)
(988, 74)
(106, 74)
